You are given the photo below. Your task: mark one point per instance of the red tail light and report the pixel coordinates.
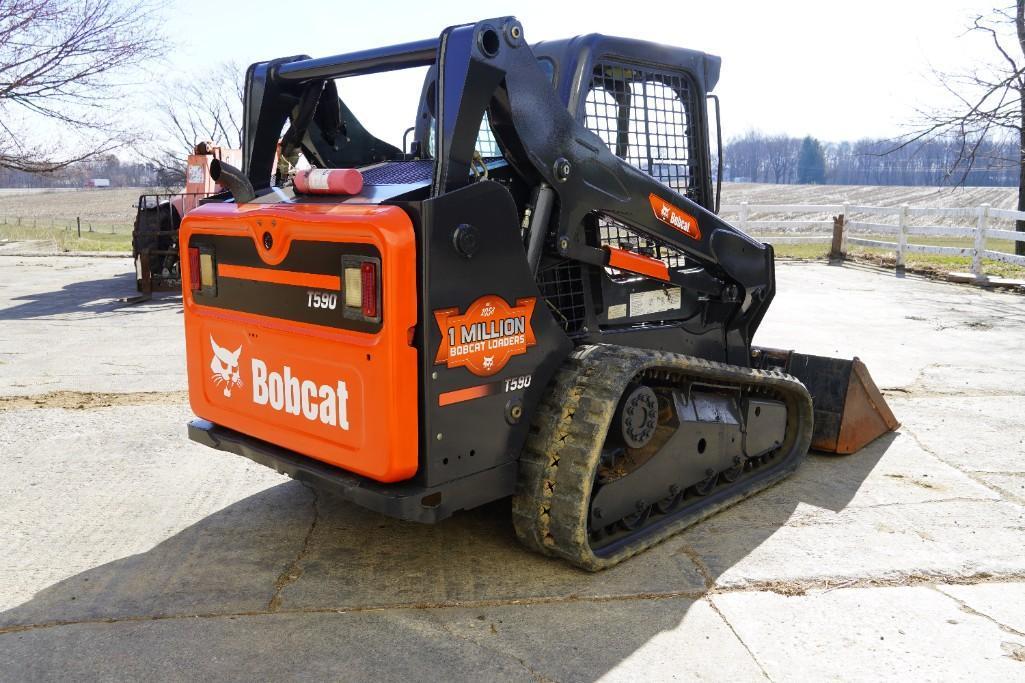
(368, 272)
(194, 282)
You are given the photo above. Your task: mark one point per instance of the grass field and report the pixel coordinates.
(923, 262)
(66, 239)
(103, 209)
(50, 218)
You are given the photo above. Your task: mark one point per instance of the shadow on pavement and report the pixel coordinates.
(91, 298)
(284, 560)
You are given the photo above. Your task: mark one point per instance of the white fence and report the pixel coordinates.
(978, 230)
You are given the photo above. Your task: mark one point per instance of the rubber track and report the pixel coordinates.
(558, 464)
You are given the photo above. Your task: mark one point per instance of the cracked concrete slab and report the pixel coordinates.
(62, 327)
(1004, 604)
(870, 634)
(978, 433)
(126, 551)
(396, 645)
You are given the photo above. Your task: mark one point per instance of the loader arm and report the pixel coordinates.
(544, 142)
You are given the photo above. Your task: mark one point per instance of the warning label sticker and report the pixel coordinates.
(617, 311)
(646, 303)
(319, 179)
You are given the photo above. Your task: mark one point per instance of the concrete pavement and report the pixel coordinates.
(128, 552)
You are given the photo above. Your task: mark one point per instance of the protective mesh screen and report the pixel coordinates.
(643, 115)
(486, 144)
(563, 291)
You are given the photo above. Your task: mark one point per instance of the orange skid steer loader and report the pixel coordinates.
(536, 299)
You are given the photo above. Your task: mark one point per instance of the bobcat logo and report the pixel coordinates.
(489, 362)
(665, 212)
(224, 365)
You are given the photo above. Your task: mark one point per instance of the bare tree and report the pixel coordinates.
(205, 108)
(63, 65)
(781, 151)
(990, 105)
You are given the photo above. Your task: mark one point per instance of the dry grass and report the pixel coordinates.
(62, 240)
(868, 195)
(103, 209)
(929, 263)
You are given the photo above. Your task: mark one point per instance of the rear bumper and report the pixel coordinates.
(403, 500)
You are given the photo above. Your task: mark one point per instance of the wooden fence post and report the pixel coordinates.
(78, 220)
(902, 235)
(843, 233)
(980, 242)
(836, 250)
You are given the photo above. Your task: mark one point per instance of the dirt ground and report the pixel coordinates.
(128, 552)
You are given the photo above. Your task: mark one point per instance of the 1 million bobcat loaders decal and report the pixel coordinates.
(485, 337)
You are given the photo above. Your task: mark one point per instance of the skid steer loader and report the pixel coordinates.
(536, 299)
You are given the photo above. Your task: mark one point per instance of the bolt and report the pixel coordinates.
(564, 243)
(709, 472)
(597, 513)
(439, 436)
(641, 505)
(674, 489)
(562, 169)
(434, 375)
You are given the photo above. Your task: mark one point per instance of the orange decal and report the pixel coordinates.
(485, 337)
(637, 263)
(674, 217)
(280, 277)
(468, 394)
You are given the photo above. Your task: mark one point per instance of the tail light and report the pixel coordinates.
(369, 271)
(202, 275)
(194, 282)
(362, 284)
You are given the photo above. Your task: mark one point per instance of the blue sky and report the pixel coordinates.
(830, 69)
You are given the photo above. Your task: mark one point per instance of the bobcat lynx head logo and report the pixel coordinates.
(489, 362)
(224, 366)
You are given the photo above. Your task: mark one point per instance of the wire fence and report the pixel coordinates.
(76, 225)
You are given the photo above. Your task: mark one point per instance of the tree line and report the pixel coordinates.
(759, 158)
(78, 174)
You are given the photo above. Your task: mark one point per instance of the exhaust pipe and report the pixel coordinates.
(233, 179)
